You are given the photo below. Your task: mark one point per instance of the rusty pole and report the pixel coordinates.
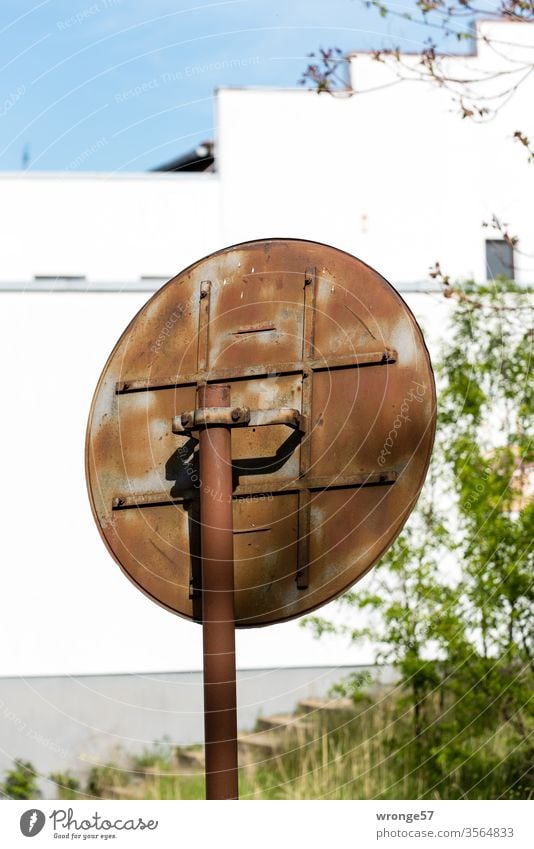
(218, 614)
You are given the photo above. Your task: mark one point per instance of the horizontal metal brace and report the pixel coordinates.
(152, 499)
(321, 482)
(263, 488)
(235, 416)
(385, 356)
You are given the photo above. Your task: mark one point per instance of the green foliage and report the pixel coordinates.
(369, 753)
(155, 774)
(157, 758)
(67, 785)
(20, 782)
(450, 604)
(354, 686)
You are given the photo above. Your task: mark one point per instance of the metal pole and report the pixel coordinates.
(218, 615)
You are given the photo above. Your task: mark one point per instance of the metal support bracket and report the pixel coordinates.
(304, 497)
(235, 416)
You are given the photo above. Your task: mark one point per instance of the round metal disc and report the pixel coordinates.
(288, 324)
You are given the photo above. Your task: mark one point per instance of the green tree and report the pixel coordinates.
(450, 604)
(67, 785)
(20, 782)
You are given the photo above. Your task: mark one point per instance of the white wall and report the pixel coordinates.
(392, 174)
(107, 227)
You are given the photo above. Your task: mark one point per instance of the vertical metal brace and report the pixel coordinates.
(195, 574)
(203, 326)
(303, 544)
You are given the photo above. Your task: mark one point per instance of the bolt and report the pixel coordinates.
(236, 414)
(186, 420)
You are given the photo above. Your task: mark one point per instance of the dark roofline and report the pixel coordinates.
(201, 158)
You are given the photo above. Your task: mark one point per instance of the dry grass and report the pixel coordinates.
(366, 753)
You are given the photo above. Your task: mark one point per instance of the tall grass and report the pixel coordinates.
(370, 752)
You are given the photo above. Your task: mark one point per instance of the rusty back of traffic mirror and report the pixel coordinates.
(332, 417)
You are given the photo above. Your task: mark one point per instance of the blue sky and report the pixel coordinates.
(133, 81)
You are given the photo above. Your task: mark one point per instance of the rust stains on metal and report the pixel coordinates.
(292, 325)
